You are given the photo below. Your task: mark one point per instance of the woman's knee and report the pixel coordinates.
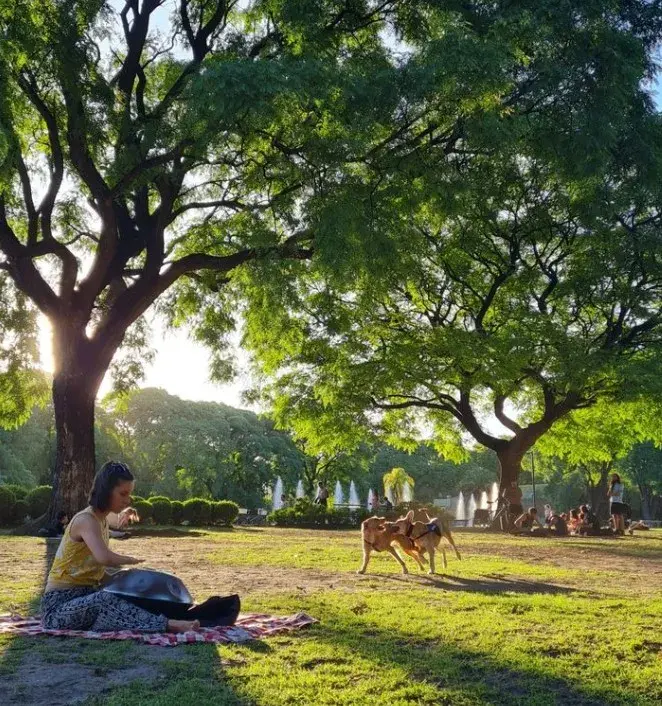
(105, 598)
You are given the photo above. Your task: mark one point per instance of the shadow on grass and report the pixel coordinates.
(184, 532)
(57, 671)
(462, 676)
(139, 532)
(488, 584)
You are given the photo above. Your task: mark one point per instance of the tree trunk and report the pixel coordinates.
(598, 494)
(73, 399)
(510, 464)
(510, 457)
(79, 370)
(647, 503)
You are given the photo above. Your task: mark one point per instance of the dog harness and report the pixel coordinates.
(432, 528)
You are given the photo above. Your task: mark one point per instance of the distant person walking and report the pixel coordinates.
(322, 497)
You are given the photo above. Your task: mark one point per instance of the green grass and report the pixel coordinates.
(518, 621)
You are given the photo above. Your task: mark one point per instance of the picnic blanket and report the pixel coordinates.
(251, 626)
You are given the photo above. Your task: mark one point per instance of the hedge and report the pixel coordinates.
(21, 511)
(144, 510)
(224, 512)
(38, 500)
(152, 498)
(177, 508)
(161, 510)
(20, 491)
(197, 512)
(7, 502)
(304, 513)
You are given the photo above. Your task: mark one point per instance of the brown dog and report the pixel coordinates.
(378, 535)
(427, 535)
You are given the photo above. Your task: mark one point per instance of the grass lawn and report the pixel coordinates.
(517, 621)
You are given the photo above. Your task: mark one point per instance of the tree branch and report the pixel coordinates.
(503, 417)
(22, 269)
(468, 419)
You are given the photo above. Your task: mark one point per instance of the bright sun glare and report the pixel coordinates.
(181, 367)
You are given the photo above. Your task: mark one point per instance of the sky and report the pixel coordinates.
(181, 366)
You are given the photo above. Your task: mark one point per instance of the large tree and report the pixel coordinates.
(153, 146)
(532, 281)
(519, 304)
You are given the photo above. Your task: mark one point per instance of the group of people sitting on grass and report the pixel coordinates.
(581, 521)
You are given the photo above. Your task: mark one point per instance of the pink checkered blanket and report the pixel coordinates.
(250, 626)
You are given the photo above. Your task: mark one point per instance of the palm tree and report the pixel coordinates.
(395, 481)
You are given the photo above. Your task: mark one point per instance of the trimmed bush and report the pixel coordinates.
(38, 500)
(161, 510)
(177, 507)
(224, 512)
(7, 502)
(21, 511)
(20, 491)
(197, 512)
(152, 498)
(144, 510)
(304, 513)
(137, 498)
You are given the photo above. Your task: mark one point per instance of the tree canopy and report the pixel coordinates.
(465, 164)
(532, 276)
(152, 147)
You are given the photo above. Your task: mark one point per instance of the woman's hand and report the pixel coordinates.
(89, 531)
(126, 516)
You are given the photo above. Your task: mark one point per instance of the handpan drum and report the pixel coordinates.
(149, 584)
(164, 594)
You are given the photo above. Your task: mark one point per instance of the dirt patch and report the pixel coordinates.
(51, 682)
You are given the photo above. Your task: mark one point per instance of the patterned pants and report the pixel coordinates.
(90, 609)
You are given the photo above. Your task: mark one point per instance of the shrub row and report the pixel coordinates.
(17, 503)
(196, 511)
(304, 513)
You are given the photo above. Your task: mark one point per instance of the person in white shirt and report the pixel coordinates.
(616, 505)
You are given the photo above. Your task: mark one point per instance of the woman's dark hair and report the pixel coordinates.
(574, 513)
(615, 478)
(533, 511)
(109, 476)
(61, 515)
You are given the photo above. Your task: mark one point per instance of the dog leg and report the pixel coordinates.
(449, 537)
(413, 553)
(431, 553)
(366, 558)
(398, 559)
(443, 555)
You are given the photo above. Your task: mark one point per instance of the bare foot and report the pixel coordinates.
(183, 625)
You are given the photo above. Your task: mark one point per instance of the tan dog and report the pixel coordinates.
(378, 535)
(427, 535)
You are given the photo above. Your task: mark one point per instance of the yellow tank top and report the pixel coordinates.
(74, 565)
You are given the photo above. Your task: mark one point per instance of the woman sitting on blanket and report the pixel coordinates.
(72, 599)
